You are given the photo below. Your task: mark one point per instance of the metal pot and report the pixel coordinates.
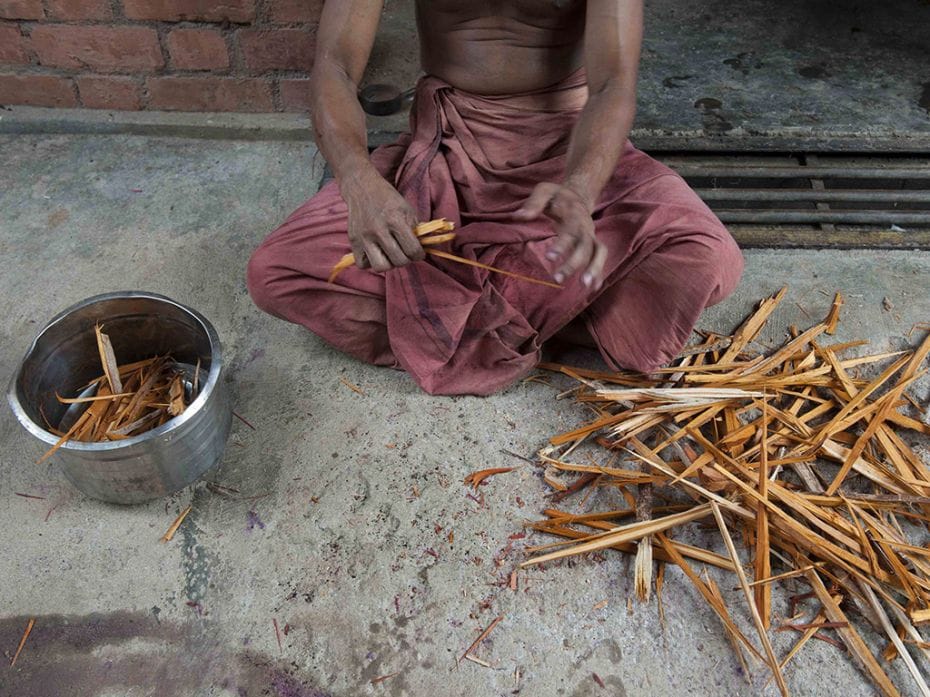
(64, 357)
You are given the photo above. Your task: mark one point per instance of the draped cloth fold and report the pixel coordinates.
(461, 330)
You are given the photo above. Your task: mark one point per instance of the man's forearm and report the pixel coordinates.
(339, 123)
(597, 141)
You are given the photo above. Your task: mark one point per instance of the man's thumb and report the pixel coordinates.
(535, 204)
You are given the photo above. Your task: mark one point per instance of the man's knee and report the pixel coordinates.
(715, 262)
(730, 264)
(263, 279)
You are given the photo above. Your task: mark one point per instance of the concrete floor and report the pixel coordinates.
(341, 528)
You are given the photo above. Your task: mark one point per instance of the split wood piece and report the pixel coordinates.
(751, 328)
(833, 317)
(22, 641)
(627, 533)
(493, 269)
(756, 617)
(677, 395)
(422, 231)
(698, 554)
(642, 567)
(95, 398)
(169, 534)
(475, 478)
(890, 398)
(857, 647)
(715, 601)
(176, 404)
(762, 566)
(482, 637)
(895, 640)
(805, 637)
(108, 360)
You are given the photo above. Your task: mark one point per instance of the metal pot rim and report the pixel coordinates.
(216, 366)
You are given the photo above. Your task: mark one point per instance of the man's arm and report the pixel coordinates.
(613, 36)
(381, 221)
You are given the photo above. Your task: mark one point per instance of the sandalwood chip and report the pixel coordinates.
(789, 447)
(126, 400)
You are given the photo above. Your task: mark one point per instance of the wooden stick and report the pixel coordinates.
(787, 574)
(108, 360)
(169, 535)
(895, 639)
(22, 642)
(853, 641)
(712, 599)
(502, 272)
(756, 617)
(482, 636)
(762, 566)
(626, 533)
(96, 398)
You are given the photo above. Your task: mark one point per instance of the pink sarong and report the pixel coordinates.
(461, 330)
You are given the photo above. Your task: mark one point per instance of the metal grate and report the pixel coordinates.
(813, 200)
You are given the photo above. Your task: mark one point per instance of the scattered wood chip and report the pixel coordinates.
(355, 388)
(482, 636)
(789, 446)
(169, 534)
(475, 478)
(127, 400)
(22, 642)
(382, 678)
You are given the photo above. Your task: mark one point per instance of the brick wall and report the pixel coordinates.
(177, 55)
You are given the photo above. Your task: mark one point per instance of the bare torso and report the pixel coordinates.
(501, 46)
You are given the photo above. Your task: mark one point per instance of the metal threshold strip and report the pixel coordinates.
(813, 199)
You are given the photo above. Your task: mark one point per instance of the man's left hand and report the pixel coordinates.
(576, 247)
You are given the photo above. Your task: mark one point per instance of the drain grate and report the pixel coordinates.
(813, 200)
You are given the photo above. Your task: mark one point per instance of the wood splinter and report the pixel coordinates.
(169, 535)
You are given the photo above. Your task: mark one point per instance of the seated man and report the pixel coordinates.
(518, 134)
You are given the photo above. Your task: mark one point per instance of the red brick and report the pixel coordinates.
(293, 11)
(98, 92)
(209, 94)
(79, 9)
(105, 49)
(21, 9)
(241, 11)
(197, 49)
(277, 49)
(37, 90)
(14, 47)
(295, 95)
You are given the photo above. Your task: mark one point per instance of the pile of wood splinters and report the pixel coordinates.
(127, 400)
(793, 448)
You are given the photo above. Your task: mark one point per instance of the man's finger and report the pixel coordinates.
(594, 275)
(579, 259)
(361, 259)
(408, 242)
(391, 249)
(376, 257)
(537, 202)
(562, 245)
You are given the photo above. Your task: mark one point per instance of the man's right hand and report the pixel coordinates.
(381, 223)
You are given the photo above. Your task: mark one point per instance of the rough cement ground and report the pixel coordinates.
(341, 530)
